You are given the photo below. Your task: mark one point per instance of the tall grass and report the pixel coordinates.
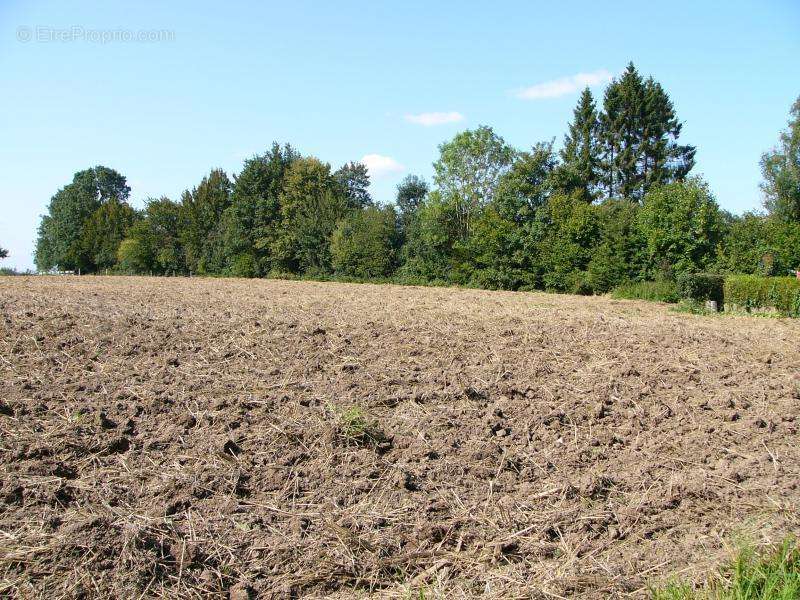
(774, 575)
(655, 291)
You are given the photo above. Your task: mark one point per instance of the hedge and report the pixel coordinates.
(701, 287)
(752, 291)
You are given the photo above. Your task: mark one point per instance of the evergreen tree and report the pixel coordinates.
(581, 152)
(662, 159)
(639, 133)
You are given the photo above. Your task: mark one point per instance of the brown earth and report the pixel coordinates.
(198, 438)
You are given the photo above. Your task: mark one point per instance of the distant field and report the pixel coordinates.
(253, 438)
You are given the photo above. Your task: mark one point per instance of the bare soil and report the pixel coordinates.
(272, 439)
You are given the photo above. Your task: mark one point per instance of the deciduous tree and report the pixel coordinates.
(781, 170)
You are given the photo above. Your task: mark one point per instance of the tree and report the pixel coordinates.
(760, 245)
(411, 193)
(104, 230)
(354, 179)
(525, 187)
(255, 208)
(682, 227)
(3, 253)
(202, 210)
(494, 257)
(60, 240)
(312, 202)
(619, 256)
(153, 243)
(428, 251)
(638, 133)
(365, 243)
(781, 170)
(581, 152)
(563, 237)
(468, 172)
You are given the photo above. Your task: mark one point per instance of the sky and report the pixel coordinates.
(165, 91)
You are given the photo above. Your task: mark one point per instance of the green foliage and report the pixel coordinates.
(355, 428)
(493, 257)
(611, 210)
(354, 180)
(61, 242)
(133, 256)
(753, 292)
(428, 252)
(638, 132)
(468, 172)
(620, 254)
(581, 152)
(772, 575)
(201, 220)
(153, 243)
(701, 287)
(760, 245)
(654, 291)
(104, 230)
(564, 234)
(312, 203)
(244, 265)
(365, 243)
(781, 170)
(682, 226)
(254, 215)
(526, 186)
(3, 253)
(411, 193)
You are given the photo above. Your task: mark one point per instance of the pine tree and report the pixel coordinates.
(581, 145)
(638, 137)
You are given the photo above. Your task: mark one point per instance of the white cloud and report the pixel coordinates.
(564, 85)
(435, 118)
(379, 165)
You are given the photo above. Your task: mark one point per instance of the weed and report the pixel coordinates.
(773, 575)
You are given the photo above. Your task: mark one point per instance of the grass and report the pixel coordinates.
(355, 428)
(655, 291)
(772, 575)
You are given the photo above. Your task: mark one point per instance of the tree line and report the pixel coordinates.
(615, 204)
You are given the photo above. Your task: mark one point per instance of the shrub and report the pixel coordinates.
(754, 292)
(701, 287)
(244, 265)
(655, 291)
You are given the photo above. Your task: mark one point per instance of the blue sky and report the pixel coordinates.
(344, 80)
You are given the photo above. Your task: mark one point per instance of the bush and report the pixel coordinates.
(655, 291)
(701, 287)
(754, 292)
(244, 265)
